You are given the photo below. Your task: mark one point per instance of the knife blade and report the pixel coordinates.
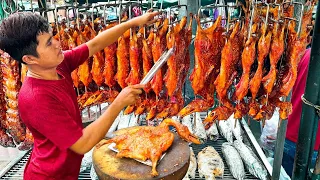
(157, 66)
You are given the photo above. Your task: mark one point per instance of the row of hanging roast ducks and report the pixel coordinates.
(262, 66)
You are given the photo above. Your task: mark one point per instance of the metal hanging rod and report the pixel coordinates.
(175, 6)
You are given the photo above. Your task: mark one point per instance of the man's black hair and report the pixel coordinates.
(18, 34)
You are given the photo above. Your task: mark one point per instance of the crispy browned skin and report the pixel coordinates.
(158, 47)
(148, 142)
(288, 10)
(241, 109)
(186, 60)
(220, 113)
(135, 60)
(142, 107)
(180, 37)
(173, 107)
(255, 82)
(5, 139)
(63, 37)
(203, 55)
(110, 66)
(156, 106)
(89, 101)
(276, 51)
(248, 57)
(229, 59)
(210, 69)
(97, 64)
(197, 105)
(147, 61)
(84, 69)
(72, 44)
(297, 46)
(123, 63)
(83, 98)
(175, 38)
(11, 87)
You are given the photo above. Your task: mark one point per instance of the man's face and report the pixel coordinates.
(49, 51)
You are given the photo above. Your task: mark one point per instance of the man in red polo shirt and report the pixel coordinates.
(47, 101)
(294, 118)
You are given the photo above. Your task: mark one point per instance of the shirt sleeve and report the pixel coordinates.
(55, 123)
(74, 58)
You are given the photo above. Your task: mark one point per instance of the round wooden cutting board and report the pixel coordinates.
(173, 166)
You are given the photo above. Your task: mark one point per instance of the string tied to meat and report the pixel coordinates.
(317, 107)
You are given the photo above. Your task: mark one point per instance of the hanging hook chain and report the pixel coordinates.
(317, 107)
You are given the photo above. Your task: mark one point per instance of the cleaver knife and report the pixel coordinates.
(155, 68)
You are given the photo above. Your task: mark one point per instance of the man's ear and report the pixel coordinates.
(28, 59)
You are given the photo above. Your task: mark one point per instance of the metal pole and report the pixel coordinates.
(193, 7)
(278, 150)
(309, 119)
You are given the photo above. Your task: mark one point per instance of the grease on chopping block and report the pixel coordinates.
(173, 166)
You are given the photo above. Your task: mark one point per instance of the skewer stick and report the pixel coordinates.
(105, 14)
(300, 19)
(130, 16)
(120, 6)
(92, 16)
(251, 21)
(88, 108)
(99, 106)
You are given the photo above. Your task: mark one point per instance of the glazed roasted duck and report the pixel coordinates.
(11, 85)
(297, 46)
(157, 105)
(208, 47)
(84, 69)
(174, 79)
(175, 38)
(72, 44)
(229, 59)
(248, 57)
(136, 73)
(276, 51)
(83, 98)
(5, 139)
(97, 64)
(135, 53)
(255, 82)
(186, 60)
(63, 36)
(123, 63)
(158, 47)
(98, 97)
(296, 51)
(147, 61)
(203, 55)
(142, 106)
(241, 109)
(147, 142)
(219, 113)
(110, 66)
(173, 107)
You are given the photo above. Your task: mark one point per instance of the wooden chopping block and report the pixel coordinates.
(173, 166)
